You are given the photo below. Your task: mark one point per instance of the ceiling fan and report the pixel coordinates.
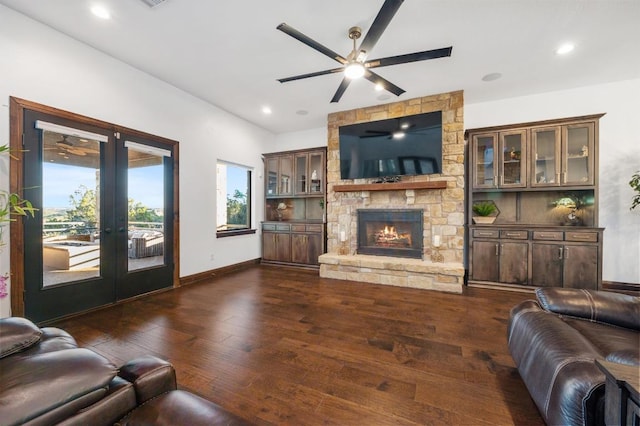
(356, 65)
(68, 146)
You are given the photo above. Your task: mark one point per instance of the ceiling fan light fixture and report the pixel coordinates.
(398, 134)
(354, 70)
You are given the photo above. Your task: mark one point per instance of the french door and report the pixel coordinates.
(103, 231)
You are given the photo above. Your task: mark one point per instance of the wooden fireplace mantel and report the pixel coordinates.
(392, 186)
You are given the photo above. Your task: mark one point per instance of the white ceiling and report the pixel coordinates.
(230, 53)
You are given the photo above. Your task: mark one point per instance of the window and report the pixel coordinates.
(233, 193)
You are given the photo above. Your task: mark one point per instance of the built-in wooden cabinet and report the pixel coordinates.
(294, 228)
(276, 242)
(536, 256)
(542, 176)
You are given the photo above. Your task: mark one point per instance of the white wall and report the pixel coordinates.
(312, 138)
(619, 157)
(44, 66)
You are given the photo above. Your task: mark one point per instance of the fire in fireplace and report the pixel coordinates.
(390, 232)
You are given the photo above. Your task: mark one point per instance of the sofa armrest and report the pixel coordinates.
(151, 376)
(601, 306)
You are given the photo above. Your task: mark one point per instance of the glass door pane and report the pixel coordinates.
(70, 208)
(302, 180)
(513, 159)
(315, 169)
(484, 173)
(286, 172)
(272, 176)
(145, 205)
(579, 155)
(546, 171)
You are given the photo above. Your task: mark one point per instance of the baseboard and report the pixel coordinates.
(628, 288)
(202, 276)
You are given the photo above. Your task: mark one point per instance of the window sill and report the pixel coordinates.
(224, 234)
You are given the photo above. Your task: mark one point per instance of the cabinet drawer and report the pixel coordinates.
(298, 228)
(485, 233)
(314, 228)
(591, 237)
(286, 227)
(548, 235)
(268, 227)
(514, 235)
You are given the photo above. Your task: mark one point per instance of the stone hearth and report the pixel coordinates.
(443, 208)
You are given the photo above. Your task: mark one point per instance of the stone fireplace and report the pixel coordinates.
(440, 197)
(390, 232)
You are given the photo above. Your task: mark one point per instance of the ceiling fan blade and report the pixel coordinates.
(287, 29)
(386, 84)
(343, 86)
(311, 74)
(410, 57)
(388, 9)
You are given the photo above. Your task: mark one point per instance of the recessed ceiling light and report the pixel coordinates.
(565, 48)
(383, 97)
(101, 12)
(266, 110)
(491, 77)
(302, 112)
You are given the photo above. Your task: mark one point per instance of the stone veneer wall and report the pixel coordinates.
(443, 208)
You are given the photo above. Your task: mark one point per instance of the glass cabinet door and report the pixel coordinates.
(302, 174)
(286, 175)
(513, 159)
(272, 176)
(484, 172)
(316, 171)
(578, 161)
(545, 158)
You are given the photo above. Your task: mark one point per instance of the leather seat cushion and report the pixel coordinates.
(180, 408)
(35, 385)
(614, 343)
(17, 334)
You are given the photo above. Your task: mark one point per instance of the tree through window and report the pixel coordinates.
(233, 198)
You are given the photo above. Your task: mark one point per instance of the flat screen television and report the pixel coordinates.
(410, 145)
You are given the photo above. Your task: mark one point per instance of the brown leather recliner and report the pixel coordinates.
(46, 379)
(555, 340)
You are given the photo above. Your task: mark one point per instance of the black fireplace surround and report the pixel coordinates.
(391, 232)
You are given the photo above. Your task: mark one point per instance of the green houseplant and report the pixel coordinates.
(11, 204)
(634, 183)
(484, 212)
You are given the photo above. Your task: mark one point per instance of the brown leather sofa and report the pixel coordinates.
(46, 379)
(555, 340)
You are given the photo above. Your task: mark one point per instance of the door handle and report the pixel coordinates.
(107, 230)
(560, 253)
(497, 249)
(566, 252)
(121, 229)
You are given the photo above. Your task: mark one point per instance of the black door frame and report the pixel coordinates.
(18, 263)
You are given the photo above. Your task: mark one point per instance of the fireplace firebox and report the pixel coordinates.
(391, 232)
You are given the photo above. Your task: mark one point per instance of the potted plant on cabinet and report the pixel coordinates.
(484, 212)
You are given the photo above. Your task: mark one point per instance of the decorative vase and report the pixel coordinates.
(484, 220)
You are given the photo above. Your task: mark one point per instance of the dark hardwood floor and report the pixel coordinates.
(283, 346)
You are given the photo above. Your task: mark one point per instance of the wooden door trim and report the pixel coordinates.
(17, 265)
